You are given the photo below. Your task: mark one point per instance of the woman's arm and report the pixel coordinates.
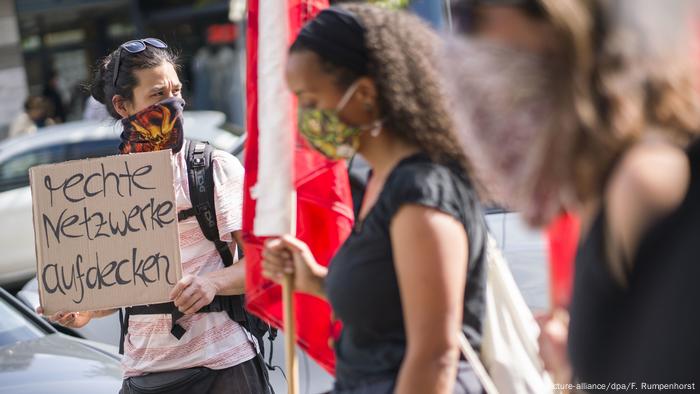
(430, 256)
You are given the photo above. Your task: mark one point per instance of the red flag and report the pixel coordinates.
(563, 236)
(323, 207)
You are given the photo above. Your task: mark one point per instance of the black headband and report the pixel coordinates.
(337, 36)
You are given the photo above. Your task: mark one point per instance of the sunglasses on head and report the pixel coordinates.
(135, 46)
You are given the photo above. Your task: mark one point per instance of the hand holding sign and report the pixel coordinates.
(192, 293)
(70, 320)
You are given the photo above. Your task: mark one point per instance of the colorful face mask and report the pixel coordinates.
(327, 133)
(157, 127)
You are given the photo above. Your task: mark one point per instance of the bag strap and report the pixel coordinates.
(471, 355)
(476, 364)
(123, 328)
(200, 176)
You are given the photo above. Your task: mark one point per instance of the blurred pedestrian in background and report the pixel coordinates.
(217, 74)
(409, 280)
(53, 95)
(591, 106)
(35, 115)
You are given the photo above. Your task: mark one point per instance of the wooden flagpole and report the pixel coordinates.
(290, 335)
(292, 361)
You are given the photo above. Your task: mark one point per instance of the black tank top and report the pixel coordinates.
(362, 285)
(649, 330)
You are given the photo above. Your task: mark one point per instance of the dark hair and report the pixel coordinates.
(102, 88)
(402, 54)
(34, 102)
(344, 76)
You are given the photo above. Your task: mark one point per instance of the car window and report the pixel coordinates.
(14, 172)
(92, 149)
(14, 327)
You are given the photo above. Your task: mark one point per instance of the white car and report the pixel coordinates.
(35, 358)
(53, 144)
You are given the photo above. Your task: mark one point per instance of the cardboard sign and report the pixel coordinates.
(105, 232)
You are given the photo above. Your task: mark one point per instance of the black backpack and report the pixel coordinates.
(201, 187)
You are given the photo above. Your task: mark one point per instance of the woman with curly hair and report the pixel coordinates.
(592, 107)
(409, 280)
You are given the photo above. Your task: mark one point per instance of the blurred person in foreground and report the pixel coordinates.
(212, 353)
(591, 106)
(34, 116)
(410, 277)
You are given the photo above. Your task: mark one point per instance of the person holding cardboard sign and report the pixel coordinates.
(197, 343)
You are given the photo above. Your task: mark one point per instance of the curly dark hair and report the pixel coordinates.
(402, 52)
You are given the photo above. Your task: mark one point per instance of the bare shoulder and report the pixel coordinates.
(651, 177)
(649, 182)
(418, 230)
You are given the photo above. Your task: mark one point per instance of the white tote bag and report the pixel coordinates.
(509, 349)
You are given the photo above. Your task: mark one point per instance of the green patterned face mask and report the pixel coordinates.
(327, 133)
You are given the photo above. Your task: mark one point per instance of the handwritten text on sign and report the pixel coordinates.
(105, 232)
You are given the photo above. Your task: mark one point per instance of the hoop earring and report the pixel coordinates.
(376, 129)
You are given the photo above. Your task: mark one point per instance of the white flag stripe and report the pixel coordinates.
(274, 191)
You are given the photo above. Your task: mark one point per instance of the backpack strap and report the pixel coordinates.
(123, 328)
(200, 176)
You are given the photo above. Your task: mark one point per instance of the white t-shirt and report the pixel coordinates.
(212, 340)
